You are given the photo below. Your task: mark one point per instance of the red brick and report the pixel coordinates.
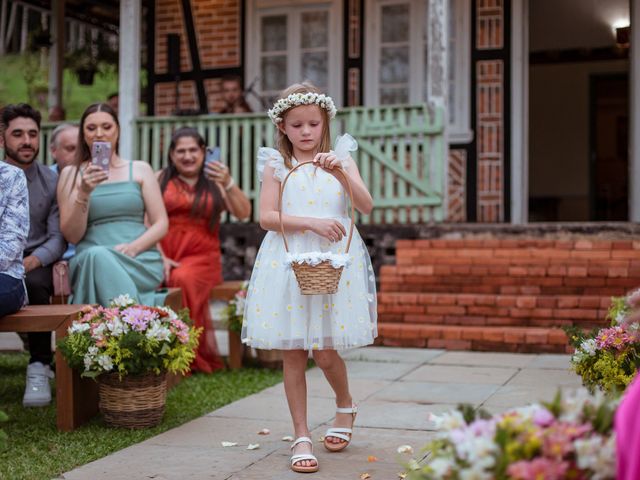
(471, 333)
(526, 302)
(557, 337)
(537, 335)
(577, 271)
(446, 310)
(493, 335)
(583, 245)
(589, 302)
(449, 344)
(568, 302)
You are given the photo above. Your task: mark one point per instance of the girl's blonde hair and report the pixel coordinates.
(283, 144)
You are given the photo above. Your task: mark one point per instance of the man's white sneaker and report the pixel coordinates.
(38, 391)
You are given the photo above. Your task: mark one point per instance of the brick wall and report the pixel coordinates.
(218, 34)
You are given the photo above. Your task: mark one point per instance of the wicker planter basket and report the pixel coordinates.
(134, 401)
(323, 278)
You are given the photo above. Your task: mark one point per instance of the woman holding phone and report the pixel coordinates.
(103, 202)
(196, 188)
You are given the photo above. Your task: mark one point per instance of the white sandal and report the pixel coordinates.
(340, 432)
(302, 457)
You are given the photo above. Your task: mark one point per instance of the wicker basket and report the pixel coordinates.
(134, 401)
(323, 278)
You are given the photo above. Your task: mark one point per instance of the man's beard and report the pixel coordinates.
(15, 156)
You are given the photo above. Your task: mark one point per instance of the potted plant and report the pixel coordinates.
(128, 349)
(84, 62)
(233, 316)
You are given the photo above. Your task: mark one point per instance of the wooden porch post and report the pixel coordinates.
(520, 111)
(634, 134)
(56, 59)
(129, 74)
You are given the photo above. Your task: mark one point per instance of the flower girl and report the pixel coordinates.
(314, 208)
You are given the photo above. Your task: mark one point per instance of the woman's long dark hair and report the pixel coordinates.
(203, 187)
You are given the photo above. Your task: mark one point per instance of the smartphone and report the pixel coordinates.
(213, 155)
(101, 154)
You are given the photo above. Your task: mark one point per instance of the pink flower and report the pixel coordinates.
(543, 417)
(138, 317)
(538, 469)
(615, 337)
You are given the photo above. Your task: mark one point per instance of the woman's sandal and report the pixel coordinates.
(340, 432)
(302, 457)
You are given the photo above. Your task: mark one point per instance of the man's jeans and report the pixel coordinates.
(11, 294)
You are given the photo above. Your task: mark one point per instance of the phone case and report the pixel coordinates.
(213, 155)
(101, 154)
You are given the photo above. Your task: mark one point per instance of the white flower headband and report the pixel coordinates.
(297, 99)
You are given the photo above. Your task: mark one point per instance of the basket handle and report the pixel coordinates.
(346, 179)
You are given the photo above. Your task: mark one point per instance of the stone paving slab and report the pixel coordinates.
(511, 396)
(554, 361)
(372, 370)
(432, 392)
(533, 377)
(395, 415)
(270, 407)
(466, 375)
(317, 386)
(386, 354)
(486, 359)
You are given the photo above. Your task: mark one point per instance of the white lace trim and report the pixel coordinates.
(314, 258)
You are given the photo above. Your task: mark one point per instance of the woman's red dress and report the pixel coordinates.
(196, 248)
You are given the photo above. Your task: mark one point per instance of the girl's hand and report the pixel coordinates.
(167, 266)
(91, 177)
(217, 172)
(127, 249)
(328, 228)
(327, 161)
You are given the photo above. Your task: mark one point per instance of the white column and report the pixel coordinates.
(520, 111)
(56, 53)
(634, 107)
(129, 74)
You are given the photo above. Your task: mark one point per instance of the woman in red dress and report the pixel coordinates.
(195, 195)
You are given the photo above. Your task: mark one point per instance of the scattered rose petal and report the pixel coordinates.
(372, 458)
(287, 438)
(253, 446)
(264, 431)
(364, 476)
(405, 449)
(321, 439)
(402, 475)
(229, 444)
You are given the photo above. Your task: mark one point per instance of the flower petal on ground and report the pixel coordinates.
(405, 449)
(264, 431)
(372, 458)
(253, 446)
(229, 444)
(364, 476)
(287, 438)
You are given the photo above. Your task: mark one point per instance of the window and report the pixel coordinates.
(290, 42)
(397, 59)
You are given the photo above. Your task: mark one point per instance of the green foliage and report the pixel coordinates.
(38, 451)
(234, 311)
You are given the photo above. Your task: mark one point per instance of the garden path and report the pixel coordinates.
(396, 389)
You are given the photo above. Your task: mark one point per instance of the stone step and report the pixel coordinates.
(492, 310)
(496, 339)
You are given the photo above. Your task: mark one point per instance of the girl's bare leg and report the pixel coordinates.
(295, 387)
(335, 371)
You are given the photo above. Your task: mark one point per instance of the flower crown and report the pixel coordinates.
(297, 99)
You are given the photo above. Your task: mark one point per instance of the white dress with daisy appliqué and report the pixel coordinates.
(276, 314)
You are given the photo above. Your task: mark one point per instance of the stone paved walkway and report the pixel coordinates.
(396, 389)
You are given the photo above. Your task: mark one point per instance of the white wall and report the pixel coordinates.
(559, 132)
(565, 24)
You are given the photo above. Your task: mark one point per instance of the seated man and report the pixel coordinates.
(232, 94)
(14, 229)
(63, 146)
(45, 244)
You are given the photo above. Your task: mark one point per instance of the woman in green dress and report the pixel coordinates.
(103, 212)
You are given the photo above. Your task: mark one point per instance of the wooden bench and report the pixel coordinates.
(225, 292)
(76, 397)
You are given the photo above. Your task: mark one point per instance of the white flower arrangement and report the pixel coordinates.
(337, 260)
(297, 99)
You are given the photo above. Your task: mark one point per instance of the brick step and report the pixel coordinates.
(495, 339)
(422, 279)
(521, 243)
(492, 310)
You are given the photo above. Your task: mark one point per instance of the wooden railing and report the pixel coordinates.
(402, 154)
